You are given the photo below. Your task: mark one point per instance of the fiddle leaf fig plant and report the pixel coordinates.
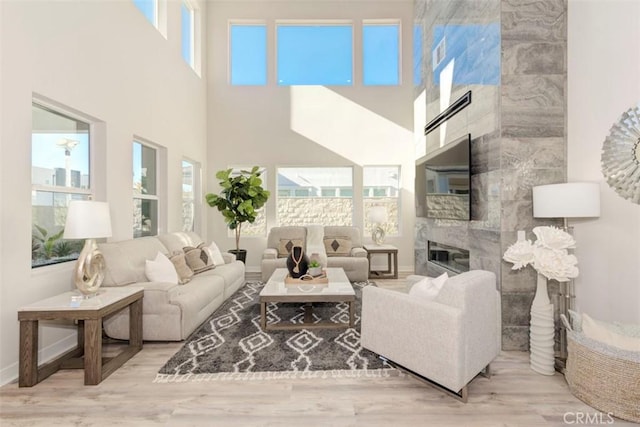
(241, 197)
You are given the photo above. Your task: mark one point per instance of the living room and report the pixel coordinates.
(105, 63)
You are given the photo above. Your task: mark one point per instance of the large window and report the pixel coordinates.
(190, 189)
(248, 54)
(314, 54)
(60, 173)
(381, 187)
(315, 195)
(187, 18)
(145, 190)
(149, 9)
(381, 55)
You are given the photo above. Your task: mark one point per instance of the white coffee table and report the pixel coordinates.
(338, 289)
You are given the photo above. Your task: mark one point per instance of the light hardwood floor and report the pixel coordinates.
(514, 396)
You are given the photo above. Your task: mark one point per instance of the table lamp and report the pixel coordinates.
(90, 220)
(377, 216)
(566, 200)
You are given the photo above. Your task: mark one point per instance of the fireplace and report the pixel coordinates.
(448, 257)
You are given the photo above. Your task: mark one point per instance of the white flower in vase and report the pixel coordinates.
(520, 254)
(555, 264)
(554, 238)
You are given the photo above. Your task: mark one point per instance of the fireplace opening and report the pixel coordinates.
(449, 257)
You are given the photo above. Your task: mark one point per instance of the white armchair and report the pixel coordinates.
(448, 340)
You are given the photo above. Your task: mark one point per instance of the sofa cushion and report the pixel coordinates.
(199, 259)
(125, 260)
(285, 246)
(161, 269)
(180, 263)
(216, 255)
(337, 246)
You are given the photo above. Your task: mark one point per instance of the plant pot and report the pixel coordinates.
(315, 271)
(241, 254)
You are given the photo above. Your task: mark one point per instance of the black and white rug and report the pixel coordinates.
(230, 345)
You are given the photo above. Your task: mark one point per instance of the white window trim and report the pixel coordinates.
(161, 182)
(197, 191)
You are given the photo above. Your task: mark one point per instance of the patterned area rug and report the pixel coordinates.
(230, 345)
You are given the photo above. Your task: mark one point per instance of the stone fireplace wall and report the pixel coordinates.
(517, 124)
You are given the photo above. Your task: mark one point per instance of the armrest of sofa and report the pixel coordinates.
(358, 252)
(270, 253)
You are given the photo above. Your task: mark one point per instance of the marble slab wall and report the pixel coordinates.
(518, 126)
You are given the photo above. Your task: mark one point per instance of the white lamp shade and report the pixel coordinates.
(378, 214)
(87, 219)
(568, 200)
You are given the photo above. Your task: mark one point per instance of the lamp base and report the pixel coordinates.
(89, 271)
(378, 235)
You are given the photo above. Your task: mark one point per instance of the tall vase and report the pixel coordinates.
(542, 331)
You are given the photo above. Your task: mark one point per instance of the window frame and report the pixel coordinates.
(157, 197)
(247, 23)
(186, 4)
(80, 193)
(383, 22)
(317, 194)
(314, 23)
(196, 200)
(370, 198)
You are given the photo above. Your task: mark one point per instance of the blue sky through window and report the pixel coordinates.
(417, 54)
(381, 60)
(248, 54)
(315, 55)
(148, 9)
(187, 33)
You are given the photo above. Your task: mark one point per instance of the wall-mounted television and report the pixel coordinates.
(443, 181)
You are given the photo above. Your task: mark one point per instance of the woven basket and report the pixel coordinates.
(604, 377)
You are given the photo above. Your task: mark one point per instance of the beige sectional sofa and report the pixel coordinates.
(337, 246)
(171, 312)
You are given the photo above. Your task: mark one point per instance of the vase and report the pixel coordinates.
(542, 331)
(297, 262)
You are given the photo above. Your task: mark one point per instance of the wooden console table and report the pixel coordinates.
(392, 261)
(89, 314)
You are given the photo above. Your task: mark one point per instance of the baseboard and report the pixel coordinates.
(10, 373)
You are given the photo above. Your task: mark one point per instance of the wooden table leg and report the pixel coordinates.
(135, 324)
(263, 315)
(28, 365)
(308, 313)
(395, 265)
(92, 351)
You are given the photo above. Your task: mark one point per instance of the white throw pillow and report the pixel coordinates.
(429, 287)
(216, 255)
(596, 331)
(161, 269)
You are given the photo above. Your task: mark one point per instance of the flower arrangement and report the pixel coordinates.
(549, 254)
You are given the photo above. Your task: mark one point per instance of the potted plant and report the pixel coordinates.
(241, 197)
(315, 269)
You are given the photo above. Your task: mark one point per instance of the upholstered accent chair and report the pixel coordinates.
(337, 246)
(447, 340)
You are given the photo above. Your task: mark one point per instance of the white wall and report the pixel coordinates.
(275, 126)
(103, 59)
(603, 81)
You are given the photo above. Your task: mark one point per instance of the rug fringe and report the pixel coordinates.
(257, 376)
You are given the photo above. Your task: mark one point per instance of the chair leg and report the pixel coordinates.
(487, 371)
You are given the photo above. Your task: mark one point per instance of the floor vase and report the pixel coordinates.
(542, 331)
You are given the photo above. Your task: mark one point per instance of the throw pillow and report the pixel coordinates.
(160, 269)
(429, 287)
(180, 263)
(216, 255)
(337, 246)
(199, 259)
(596, 331)
(285, 246)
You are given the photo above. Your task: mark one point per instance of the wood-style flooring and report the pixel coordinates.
(514, 396)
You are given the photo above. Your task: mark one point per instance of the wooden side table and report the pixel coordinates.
(89, 314)
(392, 261)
